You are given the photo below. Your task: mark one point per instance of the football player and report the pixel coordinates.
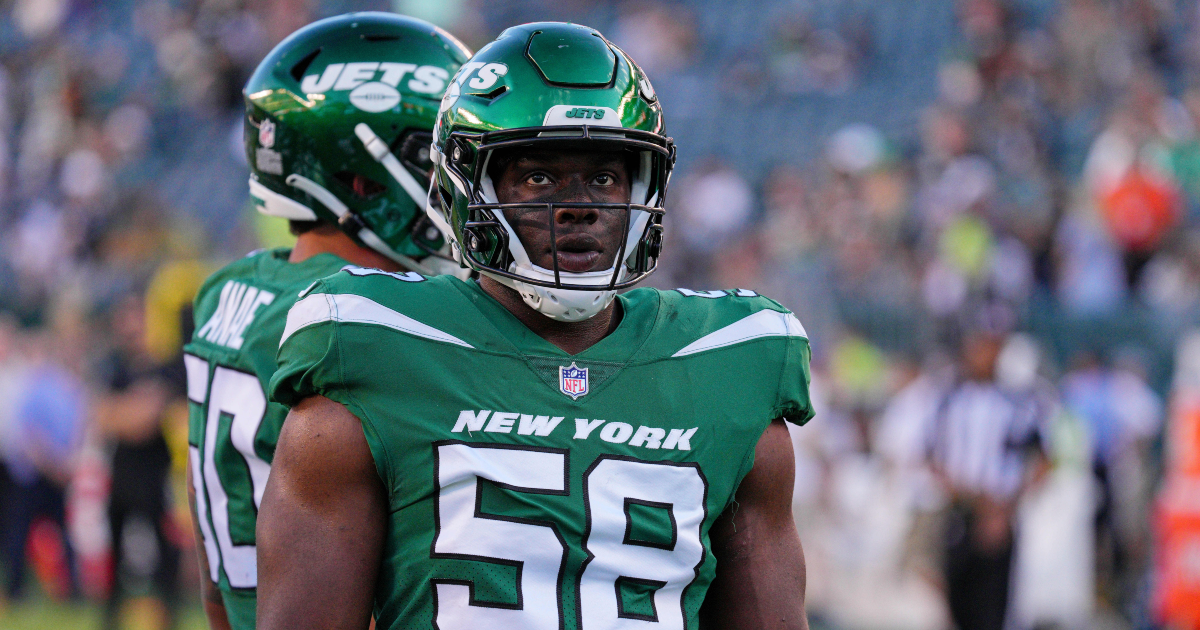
(338, 127)
(534, 450)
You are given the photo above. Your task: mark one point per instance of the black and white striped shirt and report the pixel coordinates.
(981, 437)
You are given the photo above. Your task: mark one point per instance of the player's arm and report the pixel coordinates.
(321, 523)
(214, 605)
(760, 565)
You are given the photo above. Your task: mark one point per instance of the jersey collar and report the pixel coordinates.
(637, 321)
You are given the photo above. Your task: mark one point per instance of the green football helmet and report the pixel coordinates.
(338, 127)
(551, 85)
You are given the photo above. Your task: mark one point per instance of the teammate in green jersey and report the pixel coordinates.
(338, 125)
(534, 451)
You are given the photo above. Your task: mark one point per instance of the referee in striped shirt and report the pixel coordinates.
(985, 445)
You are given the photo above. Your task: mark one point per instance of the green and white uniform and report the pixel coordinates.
(525, 493)
(232, 429)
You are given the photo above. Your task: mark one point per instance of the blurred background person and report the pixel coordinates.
(51, 415)
(986, 445)
(1122, 415)
(130, 416)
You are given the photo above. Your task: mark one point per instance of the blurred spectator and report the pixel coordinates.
(714, 207)
(1091, 277)
(45, 440)
(1129, 175)
(1122, 415)
(131, 415)
(713, 210)
(806, 59)
(1053, 561)
(661, 38)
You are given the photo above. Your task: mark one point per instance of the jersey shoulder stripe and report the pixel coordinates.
(694, 322)
(316, 308)
(764, 323)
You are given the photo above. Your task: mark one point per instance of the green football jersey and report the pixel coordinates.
(240, 313)
(535, 490)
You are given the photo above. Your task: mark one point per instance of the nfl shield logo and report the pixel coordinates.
(573, 380)
(266, 134)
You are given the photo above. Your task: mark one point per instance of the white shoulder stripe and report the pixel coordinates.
(766, 323)
(355, 309)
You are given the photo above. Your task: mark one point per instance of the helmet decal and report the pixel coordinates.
(375, 97)
(321, 83)
(450, 98)
(266, 134)
(486, 76)
(482, 76)
(268, 161)
(339, 77)
(572, 115)
(647, 89)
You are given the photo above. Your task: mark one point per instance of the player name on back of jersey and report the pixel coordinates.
(235, 312)
(542, 426)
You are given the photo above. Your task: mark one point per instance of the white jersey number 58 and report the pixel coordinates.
(538, 551)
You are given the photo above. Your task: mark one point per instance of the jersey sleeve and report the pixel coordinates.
(794, 403)
(309, 363)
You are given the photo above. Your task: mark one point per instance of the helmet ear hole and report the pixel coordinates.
(362, 186)
(414, 153)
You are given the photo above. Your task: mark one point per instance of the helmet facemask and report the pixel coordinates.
(491, 245)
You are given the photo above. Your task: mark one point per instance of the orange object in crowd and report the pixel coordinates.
(1140, 209)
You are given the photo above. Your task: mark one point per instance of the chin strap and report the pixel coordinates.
(364, 233)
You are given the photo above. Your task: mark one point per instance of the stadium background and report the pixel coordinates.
(899, 173)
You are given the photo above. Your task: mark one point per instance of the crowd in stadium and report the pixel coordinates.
(1023, 230)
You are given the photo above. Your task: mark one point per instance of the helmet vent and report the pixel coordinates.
(362, 187)
(297, 70)
(493, 94)
(380, 37)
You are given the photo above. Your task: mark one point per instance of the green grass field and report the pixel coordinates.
(38, 613)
